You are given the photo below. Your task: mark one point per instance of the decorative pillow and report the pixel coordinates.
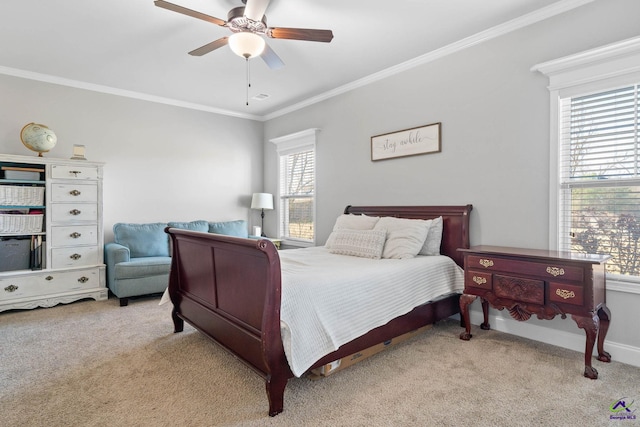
(143, 239)
(405, 237)
(237, 228)
(193, 225)
(352, 222)
(360, 243)
(434, 238)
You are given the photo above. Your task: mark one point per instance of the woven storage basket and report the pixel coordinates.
(10, 223)
(14, 195)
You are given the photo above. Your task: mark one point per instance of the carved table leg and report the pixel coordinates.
(590, 326)
(465, 301)
(605, 316)
(485, 312)
(178, 323)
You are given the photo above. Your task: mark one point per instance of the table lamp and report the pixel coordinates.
(262, 201)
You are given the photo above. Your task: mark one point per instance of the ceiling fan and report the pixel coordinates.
(248, 23)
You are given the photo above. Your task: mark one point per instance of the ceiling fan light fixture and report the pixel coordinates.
(246, 44)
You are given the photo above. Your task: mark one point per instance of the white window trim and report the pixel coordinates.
(285, 145)
(594, 70)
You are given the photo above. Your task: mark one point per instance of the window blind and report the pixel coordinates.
(297, 189)
(599, 177)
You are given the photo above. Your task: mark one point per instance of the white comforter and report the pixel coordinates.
(329, 300)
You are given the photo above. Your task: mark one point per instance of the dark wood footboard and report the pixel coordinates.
(229, 288)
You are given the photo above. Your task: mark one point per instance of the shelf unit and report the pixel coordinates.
(65, 255)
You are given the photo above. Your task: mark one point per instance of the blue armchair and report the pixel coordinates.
(138, 260)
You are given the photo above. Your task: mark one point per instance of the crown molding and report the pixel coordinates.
(481, 37)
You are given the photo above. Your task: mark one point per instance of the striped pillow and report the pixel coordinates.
(360, 243)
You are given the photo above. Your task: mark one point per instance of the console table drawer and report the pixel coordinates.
(546, 270)
(519, 289)
(566, 294)
(478, 279)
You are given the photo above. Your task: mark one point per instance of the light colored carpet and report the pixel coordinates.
(97, 364)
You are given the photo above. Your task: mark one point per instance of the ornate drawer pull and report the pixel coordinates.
(555, 271)
(75, 173)
(486, 263)
(75, 256)
(75, 235)
(479, 280)
(83, 279)
(74, 192)
(11, 288)
(565, 294)
(48, 278)
(75, 212)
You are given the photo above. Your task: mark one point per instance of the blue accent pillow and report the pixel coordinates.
(143, 240)
(236, 228)
(193, 225)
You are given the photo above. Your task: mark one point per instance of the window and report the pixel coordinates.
(297, 187)
(599, 195)
(595, 157)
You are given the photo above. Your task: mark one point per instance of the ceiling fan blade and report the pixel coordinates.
(254, 9)
(300, 34)
(210, 47)
(175, 8)
(271, 58)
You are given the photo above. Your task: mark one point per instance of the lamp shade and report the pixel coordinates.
(262, 201)
(245, 44)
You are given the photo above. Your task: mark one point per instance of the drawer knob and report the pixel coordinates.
(75, 212)
(555, 271)
(479, 280)
(48, 278)
(565, 294)
(75, 173)
(11, 288)
(486, 263)
(83, 279)
(75, 256)
(75, 235)
(74, 192)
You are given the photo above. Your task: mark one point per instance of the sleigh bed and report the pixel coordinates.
(231, 289)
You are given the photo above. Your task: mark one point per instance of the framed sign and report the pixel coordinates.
(408, 142)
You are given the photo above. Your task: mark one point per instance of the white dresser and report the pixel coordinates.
(61, 260)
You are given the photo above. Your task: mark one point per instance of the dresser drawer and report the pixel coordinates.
(74, 192)
(75, 257)
(566, 294)
(71, 212)
(478, 279)
(74, 235)
(76, 172)
(540, 269)
(48, 283)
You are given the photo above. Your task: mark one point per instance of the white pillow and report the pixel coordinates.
(360, 243)
(352, 222)
(405, 237)
(434, 238)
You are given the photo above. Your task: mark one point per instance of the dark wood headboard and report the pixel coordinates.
(455, 219)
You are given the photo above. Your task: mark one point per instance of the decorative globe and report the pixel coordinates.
(38, 138)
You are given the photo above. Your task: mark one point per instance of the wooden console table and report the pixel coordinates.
(540, 282)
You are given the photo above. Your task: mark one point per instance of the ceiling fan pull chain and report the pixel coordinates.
(248, 78)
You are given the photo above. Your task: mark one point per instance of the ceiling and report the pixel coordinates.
(133, 48)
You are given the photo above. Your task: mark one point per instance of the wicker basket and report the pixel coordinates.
(14, 195)
(13, 223)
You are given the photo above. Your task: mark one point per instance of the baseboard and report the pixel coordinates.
(619, 352)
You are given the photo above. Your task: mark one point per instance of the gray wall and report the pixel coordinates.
(162, 163)
(495, 138)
